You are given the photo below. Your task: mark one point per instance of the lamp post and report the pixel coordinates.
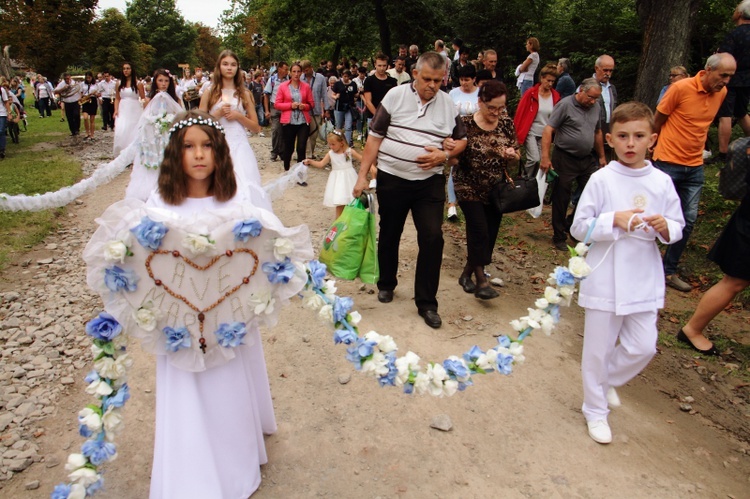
(258, 42)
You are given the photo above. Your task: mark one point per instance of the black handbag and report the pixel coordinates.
(732, 184)
(517, 194)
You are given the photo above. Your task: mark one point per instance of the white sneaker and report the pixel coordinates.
(613, 400)
(373, 183)
(452, 214)
(599, 431)
(261, 134)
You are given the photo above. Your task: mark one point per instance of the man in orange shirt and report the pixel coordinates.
(682, 120)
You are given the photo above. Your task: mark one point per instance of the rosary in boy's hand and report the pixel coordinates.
(629, 221)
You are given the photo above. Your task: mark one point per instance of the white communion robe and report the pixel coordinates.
(626, 286)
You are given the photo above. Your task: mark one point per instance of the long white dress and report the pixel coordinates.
(152, 135)
(213, 408)
(243, 157)
(341, 180)
(128, 113)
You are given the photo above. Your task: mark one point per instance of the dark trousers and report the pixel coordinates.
(425, 199)
(482, 226)
(292, 134)
(73, 115)
(569, 168)
(45, 107)
(108, 110)
(688, 182)
(277, 140)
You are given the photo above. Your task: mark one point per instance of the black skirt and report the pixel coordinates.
(731, 252)
(90, 107)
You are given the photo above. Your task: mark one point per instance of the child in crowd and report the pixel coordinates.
(624, 208)
(343, 177)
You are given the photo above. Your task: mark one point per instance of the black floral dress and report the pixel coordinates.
(481, 165)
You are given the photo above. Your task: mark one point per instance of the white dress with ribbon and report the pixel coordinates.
(243, 158)
(172, 275)
(128, 113)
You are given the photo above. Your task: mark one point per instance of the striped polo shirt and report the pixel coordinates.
(407, 126)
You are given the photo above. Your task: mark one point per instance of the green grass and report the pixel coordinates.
(35, 165)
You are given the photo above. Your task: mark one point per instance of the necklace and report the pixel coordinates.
(201, 312)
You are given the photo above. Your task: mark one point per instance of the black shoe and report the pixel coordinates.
(431, 318)
(302, 184)
(385, 296)
(467, 284)
(104, 128)
(274, 157)
(486, 293)
(560, 245)
(682, 338)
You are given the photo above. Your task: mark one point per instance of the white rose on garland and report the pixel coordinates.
(198, 244)
(147, 316)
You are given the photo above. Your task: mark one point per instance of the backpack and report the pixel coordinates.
(732, 177)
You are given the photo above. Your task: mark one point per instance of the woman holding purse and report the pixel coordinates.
(491, 145)
(294, 100)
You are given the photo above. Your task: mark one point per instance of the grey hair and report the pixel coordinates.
(598, 61)
(432, 59)
(744, 9)
(414, 47)
(589, 83)
(565, 63)
(713, 61)
(440, 43)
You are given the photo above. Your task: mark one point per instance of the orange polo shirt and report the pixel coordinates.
(691, 109)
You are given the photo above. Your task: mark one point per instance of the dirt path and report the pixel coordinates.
(516, 436)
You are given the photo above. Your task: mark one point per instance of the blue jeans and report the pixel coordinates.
(688, 182)
(345, 118)
(3, 124)
(527, 84)
(451, 188)
(261, 114)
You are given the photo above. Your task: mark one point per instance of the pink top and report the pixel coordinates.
(284, 101)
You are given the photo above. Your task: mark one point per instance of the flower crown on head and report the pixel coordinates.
(195, 121)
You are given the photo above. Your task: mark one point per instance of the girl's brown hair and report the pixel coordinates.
(241, 92)
(173, 182)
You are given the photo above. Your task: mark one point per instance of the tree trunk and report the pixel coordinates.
(383, 27)
(666, 26)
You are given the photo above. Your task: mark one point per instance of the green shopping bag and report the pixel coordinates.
(369, 271)
(346, 241)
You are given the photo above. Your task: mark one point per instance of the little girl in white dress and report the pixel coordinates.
(341, 181)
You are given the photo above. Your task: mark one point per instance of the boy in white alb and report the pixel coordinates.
(624, 208)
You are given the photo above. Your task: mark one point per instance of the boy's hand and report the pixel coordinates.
(623, 217)
(659, 224)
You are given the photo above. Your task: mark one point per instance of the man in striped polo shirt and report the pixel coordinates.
(406, 138)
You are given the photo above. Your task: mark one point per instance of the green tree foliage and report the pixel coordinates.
(47, 34)
(117, 41)
(207, 46)
(162, 26)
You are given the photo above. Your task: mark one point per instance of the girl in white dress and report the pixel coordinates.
(213, 400)
(229, 101)
(127, 108)
(343, 177)
(161, 108)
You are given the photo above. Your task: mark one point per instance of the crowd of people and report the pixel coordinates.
(622, 176)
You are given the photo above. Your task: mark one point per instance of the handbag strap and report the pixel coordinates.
(508, 180)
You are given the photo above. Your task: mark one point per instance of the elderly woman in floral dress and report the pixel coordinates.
(491, 146)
